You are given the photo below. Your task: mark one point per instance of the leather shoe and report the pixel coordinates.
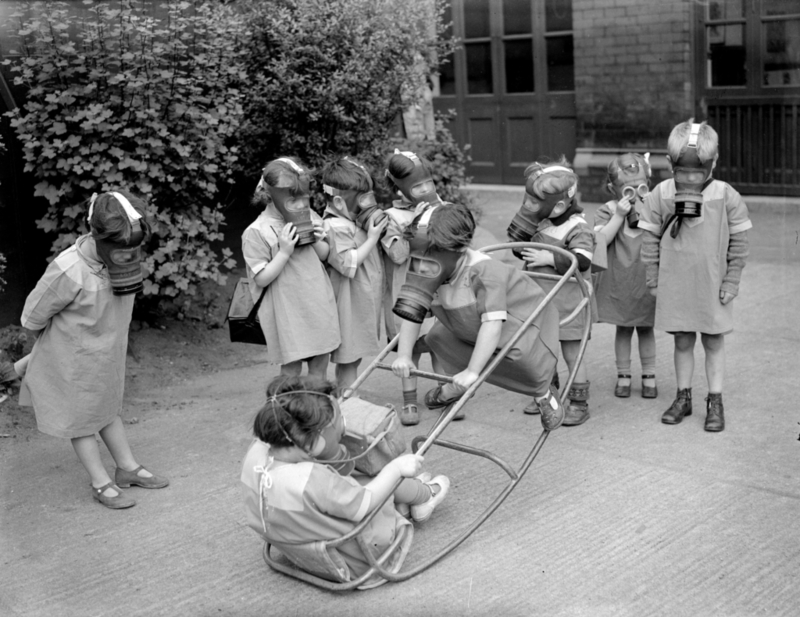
(649, 391)
(126, 478)
(118, 502)
(715, 413)
(680, 408)
(621, 391)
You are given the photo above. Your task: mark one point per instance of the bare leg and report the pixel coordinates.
(714, 346)
(117, 443)
(293, 369)
(570, 351)
(346, 374)
(684, 358)
(647, 354)
(89, 455)
(318, 365)
(622, 352)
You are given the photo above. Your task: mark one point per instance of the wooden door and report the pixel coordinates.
(511, 83)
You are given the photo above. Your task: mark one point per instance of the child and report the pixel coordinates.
(354, 263)
(75, 374)
(479, 304)
(298, 313)
(622, 296)
(409, 176)
(694, 249)
(556, 219)
(291, 498)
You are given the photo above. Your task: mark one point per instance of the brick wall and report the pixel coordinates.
(633, 76)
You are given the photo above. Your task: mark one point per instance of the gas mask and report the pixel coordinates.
(295, 209)
(418, 186)
(428, 269)
(690, 176)
(362, 208)
(123, 259)
(533, 210)
(633, 177)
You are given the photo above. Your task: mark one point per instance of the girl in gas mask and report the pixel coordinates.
(354, 263)
(551, 215)
(409, 176)
(479, 304)
(75, 374)
(622, 296)
(284, 250)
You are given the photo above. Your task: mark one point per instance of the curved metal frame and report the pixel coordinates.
(423, 443)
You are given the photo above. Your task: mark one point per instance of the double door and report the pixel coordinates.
(511, 83)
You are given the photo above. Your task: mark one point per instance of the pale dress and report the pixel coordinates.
(623, 298)
(576, 236)
(76, 374)
(297, 503)
(692, 265)
(298, 313)
(358, 289)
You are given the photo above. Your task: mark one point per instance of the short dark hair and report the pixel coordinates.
(346, 175)
(400, 166)
(110, 221)
(451, 227)
(299, 415)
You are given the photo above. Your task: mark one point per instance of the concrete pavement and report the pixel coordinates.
(621, 516)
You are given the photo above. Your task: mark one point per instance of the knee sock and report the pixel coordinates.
(649, 365)
(410, 397)
(624, 367)
(413, 492)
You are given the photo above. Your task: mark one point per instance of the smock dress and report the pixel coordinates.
(297, 503)
(483, 289)
(692, 265)
(76, 373)
(395, 260)
(621, 292)
(574, 235)
(298, 313)
(358, 289)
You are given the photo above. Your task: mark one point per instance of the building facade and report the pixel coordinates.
(593, 78)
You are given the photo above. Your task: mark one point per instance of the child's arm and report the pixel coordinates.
(651, 252)
(738, 251)
(373, 235)
(394, 243)
(321, 247)
(608, 232)
(485, 346)
(409, 333)
(54, 291)
(405, 466)
(579, 242)
(270, 272)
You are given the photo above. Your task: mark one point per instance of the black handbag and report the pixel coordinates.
(243, 323)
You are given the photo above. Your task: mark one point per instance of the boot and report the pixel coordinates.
(715, 414)
(578, 409)
(680, 408)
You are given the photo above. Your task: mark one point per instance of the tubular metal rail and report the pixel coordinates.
(422, 444)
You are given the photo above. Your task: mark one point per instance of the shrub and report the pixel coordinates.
(330, 77)
(132, 95)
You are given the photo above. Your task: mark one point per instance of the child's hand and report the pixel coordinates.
(319, 231)
(288, 239)
(624, 206)
(653, 291)
(725, 296)
(465, 378)
(538, 257)
(402, 366)
(408, 465)
(421, 207)
(376, 229)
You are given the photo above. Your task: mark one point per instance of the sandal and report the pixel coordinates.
(409, 415)
(118, 502)
(621, 391)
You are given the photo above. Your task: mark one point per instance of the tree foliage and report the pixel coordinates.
(139, 95)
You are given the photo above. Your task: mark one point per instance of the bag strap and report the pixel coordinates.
(254, 310)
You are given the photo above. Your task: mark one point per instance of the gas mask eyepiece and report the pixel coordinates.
(295, 205)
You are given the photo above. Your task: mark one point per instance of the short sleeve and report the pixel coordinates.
(343, 255)
(738, 217)
(580, 241)
(336, 495)
(54, 291)
(603, 215)
(490, 284)
(394, 243)
(258, 250)
(651, 218)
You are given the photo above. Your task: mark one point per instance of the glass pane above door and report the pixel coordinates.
(479, 68)
(519, 65)
(476, 19)
(781, 62)
(517, 17)
(725, 9)
(560, 64)
(726, 55)
(558, 15)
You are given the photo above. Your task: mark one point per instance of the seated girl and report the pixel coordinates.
(479, 304)
(294, 497)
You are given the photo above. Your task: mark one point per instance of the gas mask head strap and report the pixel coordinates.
(273, 401)
(540, 172)
(130, 211)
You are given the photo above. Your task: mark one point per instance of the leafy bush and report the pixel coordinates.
(330, 77)
(140, 96)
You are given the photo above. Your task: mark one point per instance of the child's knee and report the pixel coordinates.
(713, 342)
(684, 341)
